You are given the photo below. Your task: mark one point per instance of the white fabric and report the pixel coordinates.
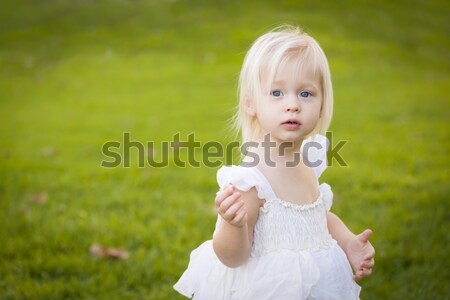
(293, 255)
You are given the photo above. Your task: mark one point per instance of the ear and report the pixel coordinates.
(249, 106)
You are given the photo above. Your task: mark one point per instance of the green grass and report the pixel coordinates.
(76, 74)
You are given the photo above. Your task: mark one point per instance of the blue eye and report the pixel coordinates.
(277, 93)
(305, 94)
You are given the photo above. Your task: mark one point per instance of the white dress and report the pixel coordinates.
(293, 255)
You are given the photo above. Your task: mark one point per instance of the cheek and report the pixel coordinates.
(313, 115)
(263, 118)
(318, 112)
(314, 110)
(264, 112)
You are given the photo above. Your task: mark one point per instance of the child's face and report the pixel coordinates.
(292, 109)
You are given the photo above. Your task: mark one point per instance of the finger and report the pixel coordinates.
(356, 277)
(366, 272)
(225, 205)
(364, 236)
(230, 200)
(370, 255)
(233, 209)
(360, 274)
(224, 193)
(367, 264)
(242, 208)
(228, 190)
(241, 215)
(232, 213)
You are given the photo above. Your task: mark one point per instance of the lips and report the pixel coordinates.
(291, 124)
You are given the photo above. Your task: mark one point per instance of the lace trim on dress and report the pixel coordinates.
(299, 207)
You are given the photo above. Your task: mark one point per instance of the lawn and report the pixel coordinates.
(75, 75)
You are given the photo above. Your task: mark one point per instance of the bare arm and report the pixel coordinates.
(239, 211)
(338, 230)
(358, 249)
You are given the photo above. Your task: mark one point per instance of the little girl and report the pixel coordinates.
(274, 237)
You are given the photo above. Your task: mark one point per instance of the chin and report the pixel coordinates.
(292, 139)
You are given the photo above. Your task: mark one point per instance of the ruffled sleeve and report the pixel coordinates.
(244, 179)
(327, 195)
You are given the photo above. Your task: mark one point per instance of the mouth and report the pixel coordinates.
(291, 124)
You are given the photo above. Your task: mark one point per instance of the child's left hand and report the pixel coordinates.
(361, 253)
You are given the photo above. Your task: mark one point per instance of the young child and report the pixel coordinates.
(274, 237)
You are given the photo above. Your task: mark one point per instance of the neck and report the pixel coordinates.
(274, 153)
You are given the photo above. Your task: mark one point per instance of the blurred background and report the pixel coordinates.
(77, 74)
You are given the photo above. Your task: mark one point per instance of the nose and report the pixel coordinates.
(293, 105)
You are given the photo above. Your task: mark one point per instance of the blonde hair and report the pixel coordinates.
(268, 52)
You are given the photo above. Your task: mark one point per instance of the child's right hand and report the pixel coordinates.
(230, 207)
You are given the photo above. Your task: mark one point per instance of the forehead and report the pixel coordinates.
(300, 64)
(296, 68)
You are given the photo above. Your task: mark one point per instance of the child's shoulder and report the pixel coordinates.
(244, 178)
(236, 174)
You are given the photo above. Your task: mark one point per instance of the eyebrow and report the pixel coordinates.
(307, 83)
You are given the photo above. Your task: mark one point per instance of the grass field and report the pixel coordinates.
(77, 74)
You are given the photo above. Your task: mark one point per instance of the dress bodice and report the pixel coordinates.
(284, 225)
